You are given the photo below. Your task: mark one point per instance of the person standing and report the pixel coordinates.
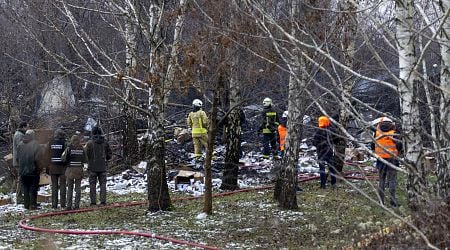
(323, 141)
(28, 155)
(387, 147)
(282, 131)
(98, 152)
(17, 139)
(57, 168)
(74, 172)
(198, 121)
(269, 125)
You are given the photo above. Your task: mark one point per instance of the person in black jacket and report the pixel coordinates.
(28, 155)
(98, 152)
(268, 127)
(57, 168)
(324, 141)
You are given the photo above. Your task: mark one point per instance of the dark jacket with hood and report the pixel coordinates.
(55, 149)
(29, 153)
(323, 140)
(98, 152)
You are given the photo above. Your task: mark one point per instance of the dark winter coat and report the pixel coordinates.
(55, 149)
(323, 140)
(98, 152)
(29, 153)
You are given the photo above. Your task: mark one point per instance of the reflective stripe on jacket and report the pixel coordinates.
(57, 147)
(271, 122)
(385, 146)
(76, 157)
(198, 121)
(282, 131)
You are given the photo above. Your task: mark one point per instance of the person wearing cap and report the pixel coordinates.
(98, 152)
(57, 168)
(198, 121)
(387, 146)
(282, 131)
(323, 141)
(268, 127)
(74, 172)
(28, 156)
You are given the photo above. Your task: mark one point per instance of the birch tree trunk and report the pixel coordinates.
(407, 88)
(430, 103)
(349, 26)
(286, 183)
(130, 143)
(443, 171)
(173, 63)
(158, 191)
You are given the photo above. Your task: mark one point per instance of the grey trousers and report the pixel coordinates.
(387, 175)
(93, 176)
(58, 184)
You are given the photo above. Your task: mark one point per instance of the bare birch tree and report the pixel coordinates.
(443, 171)
(407, 88)
(348, 21)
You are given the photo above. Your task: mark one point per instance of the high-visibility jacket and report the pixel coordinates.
(282, 131)
(385, 146)
(270, 122)
(198, 121)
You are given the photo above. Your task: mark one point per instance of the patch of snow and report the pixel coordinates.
(201, 216)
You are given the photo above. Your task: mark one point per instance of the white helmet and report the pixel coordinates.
(197, 103)
(285, 114)
(267, 102)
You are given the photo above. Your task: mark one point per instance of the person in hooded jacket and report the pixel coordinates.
(268, 127)
(57, 168)
(17, 139)
(388, 146)
(98, 152)
(28, 156)
(74, 172)
(323, 140)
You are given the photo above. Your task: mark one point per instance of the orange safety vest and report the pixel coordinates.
(282, 131)
(385, 146)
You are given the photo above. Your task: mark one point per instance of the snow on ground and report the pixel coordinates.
(255, 171)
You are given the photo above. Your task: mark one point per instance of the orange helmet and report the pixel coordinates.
(324, 122)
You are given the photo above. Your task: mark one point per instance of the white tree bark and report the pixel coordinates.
(130, 144)
(349, 32)
(407, 88)
(175, 50)
(430, 103)
(158, 193)
(443, 172)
